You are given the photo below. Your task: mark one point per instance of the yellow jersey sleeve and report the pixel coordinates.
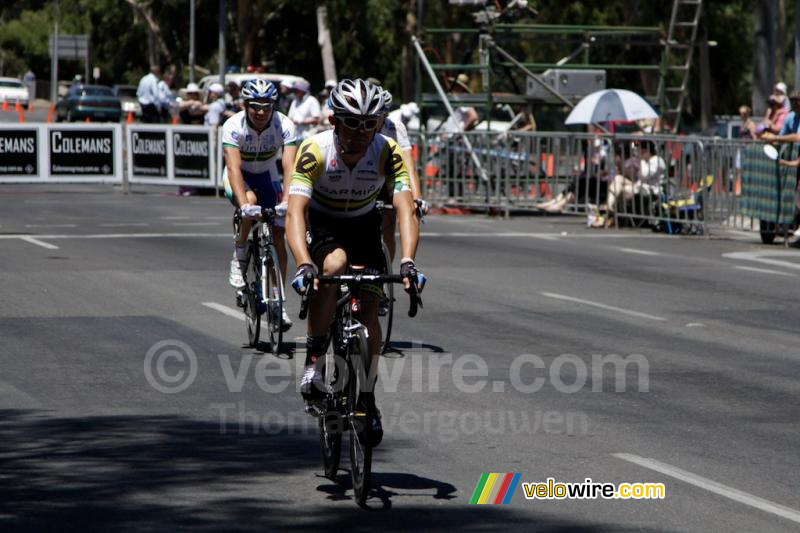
(394, 168)
(308, 166)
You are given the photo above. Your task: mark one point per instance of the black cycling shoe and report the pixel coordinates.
(373, 429)
(312, 388)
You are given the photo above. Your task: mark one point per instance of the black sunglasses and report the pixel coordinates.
(354, 123)
(256, 106)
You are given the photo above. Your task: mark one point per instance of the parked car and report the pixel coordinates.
(96, 102)
(127, 96)
(12, 90)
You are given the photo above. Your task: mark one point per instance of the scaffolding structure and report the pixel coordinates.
(672, 47)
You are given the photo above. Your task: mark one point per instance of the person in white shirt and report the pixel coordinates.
(147, 94)
(216, 105)
(304, 111)
(166, 100)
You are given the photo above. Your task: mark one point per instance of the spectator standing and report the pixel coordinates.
(773, 120)
(464, 118)
(30, 82)
(166, 100)
(147, 94)
(326, 110)
(192, 110)
(233, 98)
(304, 111)
(285, 96)
(748, 128)
(216, 106)
(792, 122)
(780, 91)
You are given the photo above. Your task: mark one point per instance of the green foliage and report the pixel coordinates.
(369, 36)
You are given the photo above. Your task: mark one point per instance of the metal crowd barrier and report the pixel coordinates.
(574, 172)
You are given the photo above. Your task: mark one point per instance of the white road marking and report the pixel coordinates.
(764, 271)
(51, 225)
(763, 257)
(37, 242)
(196, 223)
(225, 310)
(640, 252)
(175, 218)
(603, 306)
(124, 225)
(546, 236)
(712, 486)
(120, 236)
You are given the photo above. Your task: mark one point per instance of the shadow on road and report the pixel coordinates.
(104, 473)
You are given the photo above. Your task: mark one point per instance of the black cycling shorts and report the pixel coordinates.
(360, 237)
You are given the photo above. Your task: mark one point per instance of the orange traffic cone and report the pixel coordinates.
(50, 114)
(88, 121)
(21, 116)
(175, 120)
(5, 105)
(30, 106)
(17, 107)
(130, 117)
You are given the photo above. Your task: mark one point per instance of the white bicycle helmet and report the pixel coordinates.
(356, 97)
(387, 101)
(258, 89)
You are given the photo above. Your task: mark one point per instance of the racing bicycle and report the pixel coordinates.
(263, 294)
(345, 372)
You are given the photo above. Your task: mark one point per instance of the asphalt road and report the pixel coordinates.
(97, 289)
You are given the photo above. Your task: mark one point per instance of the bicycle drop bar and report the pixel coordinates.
(359, 279)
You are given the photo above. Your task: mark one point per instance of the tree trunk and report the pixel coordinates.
(763, 56)
(155, 33)
(247, 31)
(407, 55)
(324, 41)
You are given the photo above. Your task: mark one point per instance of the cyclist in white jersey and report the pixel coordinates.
(252, 139)
(398, 132)
(337, 178)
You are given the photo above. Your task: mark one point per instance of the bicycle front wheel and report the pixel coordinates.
(360, 447)
(386, 306)
(252, 301)
(274, 295)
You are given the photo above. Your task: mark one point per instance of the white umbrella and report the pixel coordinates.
(608, 105)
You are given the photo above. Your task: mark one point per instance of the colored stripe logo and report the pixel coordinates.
(495, 488)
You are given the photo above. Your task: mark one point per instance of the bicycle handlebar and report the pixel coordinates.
(359, 279)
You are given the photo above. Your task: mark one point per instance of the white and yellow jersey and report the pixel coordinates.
(338, 191)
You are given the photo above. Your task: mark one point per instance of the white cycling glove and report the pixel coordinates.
(250, 211)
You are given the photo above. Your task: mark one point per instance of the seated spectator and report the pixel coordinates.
(773, 120)
(591, 186)
(648, 179)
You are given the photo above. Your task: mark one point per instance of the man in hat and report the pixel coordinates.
(304, 111)
(192, 110)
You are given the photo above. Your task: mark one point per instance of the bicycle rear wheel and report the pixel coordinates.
(360, 448)
(274, 295)
(386, 306)
(252, 299)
